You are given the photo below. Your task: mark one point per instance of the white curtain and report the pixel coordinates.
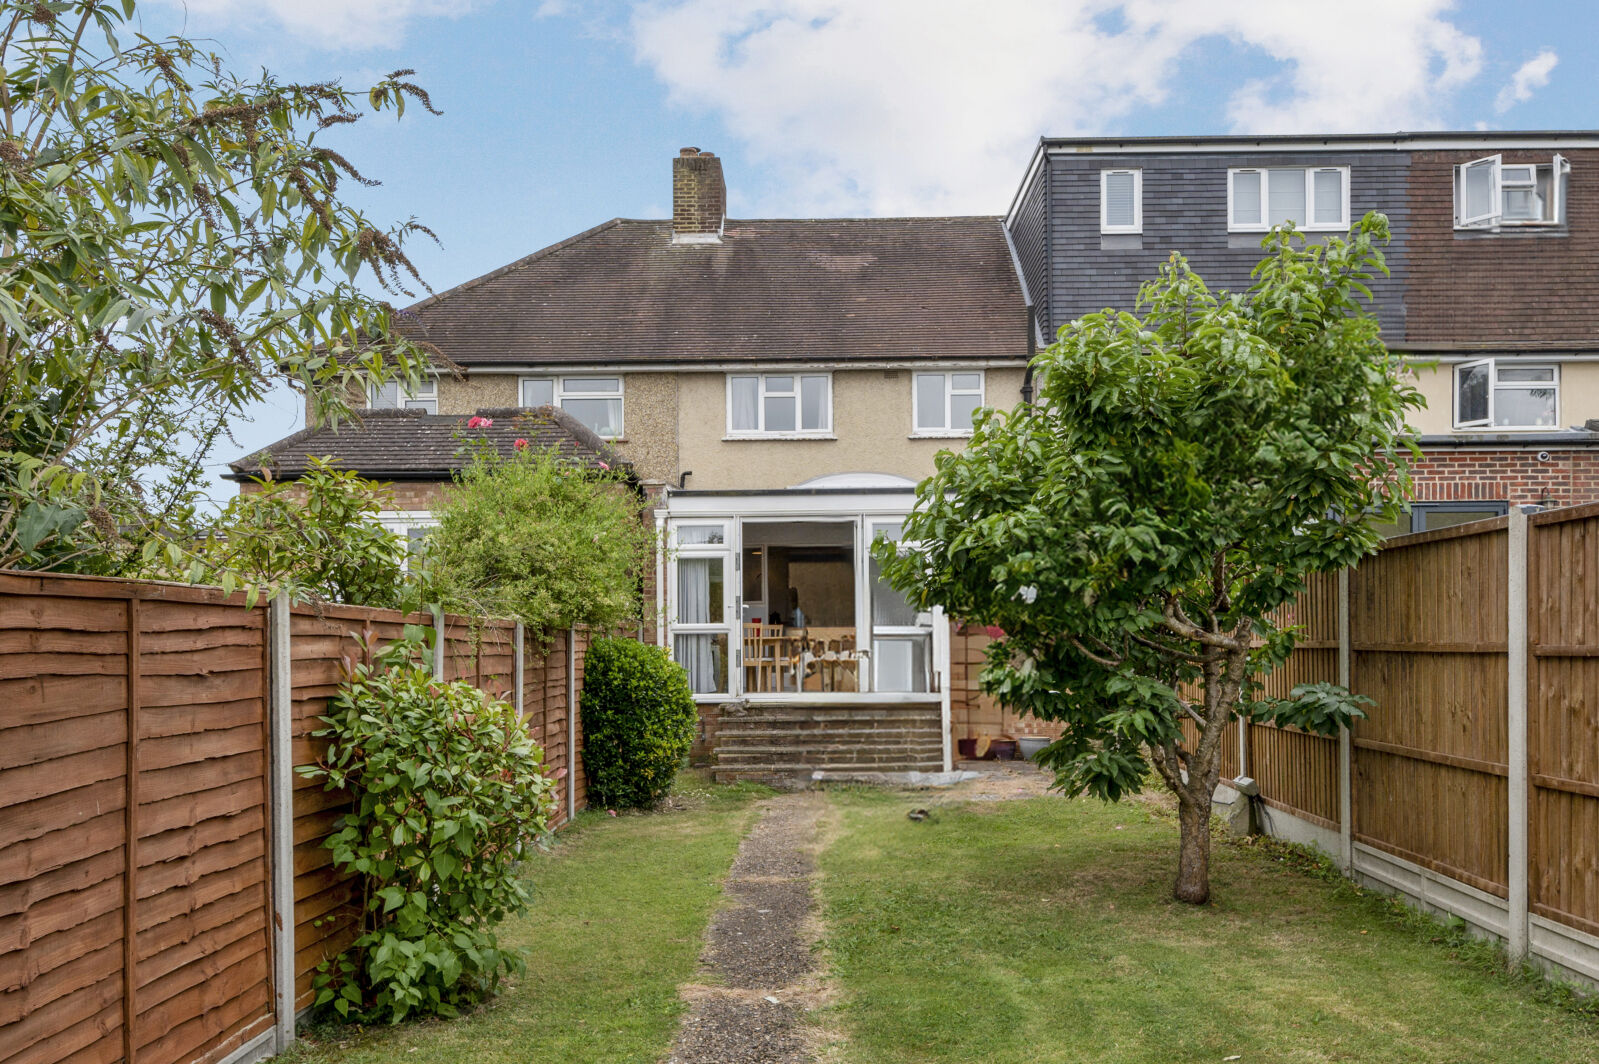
(701, 657)
(694, 590)
(746, 398)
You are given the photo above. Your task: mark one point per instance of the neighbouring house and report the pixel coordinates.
(1493, 295)
(779, 387)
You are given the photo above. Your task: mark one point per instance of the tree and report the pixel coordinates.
(1136, 533)
(317, 538)
(173, 243)
(534, 536)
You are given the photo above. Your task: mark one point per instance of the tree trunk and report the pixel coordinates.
(1193, 856)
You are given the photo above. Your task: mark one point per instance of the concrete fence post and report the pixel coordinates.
(1346, 796)
(438, 642)
(518, 641)
(281, 788)
(1516, 755)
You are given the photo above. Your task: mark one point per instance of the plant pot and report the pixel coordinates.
(967, 749)
(1030, 746)
(1003, 749)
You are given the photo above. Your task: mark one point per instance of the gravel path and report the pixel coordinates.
(759, 968)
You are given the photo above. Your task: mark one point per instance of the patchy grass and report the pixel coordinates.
(619, 914)
(1043, 931)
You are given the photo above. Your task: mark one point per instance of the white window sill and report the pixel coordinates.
(1327, 227)
(750, 436)
(1121, 232)
(1487, 430)
(940, 435)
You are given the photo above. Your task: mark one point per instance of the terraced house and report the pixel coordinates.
(779, 386)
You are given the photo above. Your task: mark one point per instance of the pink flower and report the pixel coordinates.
(476, 422)
(520, 444)
(610, 812)
(605, 465)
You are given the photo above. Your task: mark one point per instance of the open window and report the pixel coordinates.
(1501, 393)
(1491, 193)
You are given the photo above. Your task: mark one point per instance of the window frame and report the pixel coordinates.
(1137, 225)
(561, 393)
(1487, 424)
(1307, 226)
(761, 393)
(948, 432)
(1418, 510)
(1495, 219)
(426, 396)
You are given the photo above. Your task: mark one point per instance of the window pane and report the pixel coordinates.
(779, 384)
(604, 416)
(1246, 198)
(1329, 197)
(1479, 190)
(1286, 195)
(930, 401)
(1544, 374)
(688, 534)
(704, 657)
(966, 382)
(1522, 205)
(1471, 393)
(428, 405)
(889, 607)
(1119, 200)
(901, 663)
(1524, 407)
(746, 399)
(780, 412)
(539, 392)
(606, 385)
(386, 396)
(1431, 519)
(416, 538)
(699, 591)
(960, 411)
(813, 403)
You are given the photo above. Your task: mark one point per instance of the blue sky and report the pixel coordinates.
(561, 114)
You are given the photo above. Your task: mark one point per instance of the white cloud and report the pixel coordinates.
(330, 24)
(919, 106)
(1528, 79)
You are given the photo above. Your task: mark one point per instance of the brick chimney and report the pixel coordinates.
(699, 197)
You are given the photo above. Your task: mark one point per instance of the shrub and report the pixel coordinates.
(638, 722)
(447, 791)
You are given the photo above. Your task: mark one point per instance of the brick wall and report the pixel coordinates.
(971, 712)
(1567, 478)
(1526, 285)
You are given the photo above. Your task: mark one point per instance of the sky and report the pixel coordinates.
(560, 114)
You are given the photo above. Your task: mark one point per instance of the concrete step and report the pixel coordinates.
(830, 735)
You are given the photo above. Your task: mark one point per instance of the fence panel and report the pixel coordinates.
(1563, 717)
(1428, 630)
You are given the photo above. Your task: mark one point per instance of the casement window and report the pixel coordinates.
(1490, 193)
(787, 404)
(1506, 394)
(942, 404)
(394, 396)
(1121, 201)
(1312, 197)
(595, 401)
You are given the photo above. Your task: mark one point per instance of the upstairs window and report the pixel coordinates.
(780, 404)
(943, 403)
(1312, 197)
(595, 401)
(1121, 201)
(1490, 193)
(394, 396)
(1505, 394)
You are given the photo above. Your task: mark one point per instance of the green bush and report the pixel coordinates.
(447, 791)
(638, 722)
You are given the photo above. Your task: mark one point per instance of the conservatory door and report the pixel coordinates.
(702, 606)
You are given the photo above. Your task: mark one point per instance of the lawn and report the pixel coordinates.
(1042, 931)
(619, 912)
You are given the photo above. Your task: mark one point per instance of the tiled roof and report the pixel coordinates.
(843, 290)
(410, 444)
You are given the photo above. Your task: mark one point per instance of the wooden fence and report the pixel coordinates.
(1473, 786)
(153, 727)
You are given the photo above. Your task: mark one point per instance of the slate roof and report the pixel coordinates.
(412, 445)
(822, 290)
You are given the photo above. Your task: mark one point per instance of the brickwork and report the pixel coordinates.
(1525, 285)
(971, 712)
(699, 193)
(1565, 478)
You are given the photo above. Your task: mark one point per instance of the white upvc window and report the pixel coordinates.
(1506, 394)
(595, 401)
(411, 528)
(1490, 193)
(942, 404)
(1314, 198)
(779, 405)
(1121, 201)
(394, 396)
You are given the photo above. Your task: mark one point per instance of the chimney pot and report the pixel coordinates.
(699, 197)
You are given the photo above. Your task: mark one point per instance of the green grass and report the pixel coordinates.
(1042, 931)
(618, 918)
